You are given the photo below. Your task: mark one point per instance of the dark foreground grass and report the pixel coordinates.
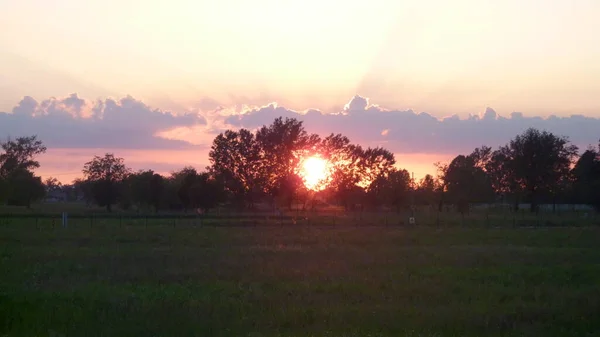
(161, 281)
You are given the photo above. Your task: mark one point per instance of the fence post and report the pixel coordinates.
(64, 219)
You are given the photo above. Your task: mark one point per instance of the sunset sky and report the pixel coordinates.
(155, 81)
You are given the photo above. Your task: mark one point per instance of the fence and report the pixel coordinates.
(422, 217)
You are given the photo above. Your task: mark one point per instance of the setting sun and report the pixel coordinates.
(314, 172)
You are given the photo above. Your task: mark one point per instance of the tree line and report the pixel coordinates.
(249, 170)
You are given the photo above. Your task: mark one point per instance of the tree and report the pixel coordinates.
(466, 181)
(83, 190)
(106, 174)
(20, 154)
(345, 174)
(500, 172)
(392, 189)
(426, 190)
(24, 188)
(52, 185)
(236, 161)
(283, 144)
(147, 188)
(538, 161)
(586, 178)
(187, 181)
(374, 163)
(205, 191)
(3, 190)
(289, 189)
(18, 183)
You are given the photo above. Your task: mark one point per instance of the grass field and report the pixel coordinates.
(301, 281)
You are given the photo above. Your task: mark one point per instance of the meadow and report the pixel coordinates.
(326, 278)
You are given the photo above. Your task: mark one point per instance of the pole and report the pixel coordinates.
(64, 219)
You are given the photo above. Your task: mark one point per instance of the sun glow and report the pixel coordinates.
(315, 173)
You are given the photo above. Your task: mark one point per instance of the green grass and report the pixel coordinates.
(302, 281)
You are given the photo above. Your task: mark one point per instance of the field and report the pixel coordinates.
(190, 280)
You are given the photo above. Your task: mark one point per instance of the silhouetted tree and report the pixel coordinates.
(236, 160)
(52, 185)
(188, 178)
(147, 188)
(205, 192)
(344, 158)
(289, 189)
(392, 189)
(426, 190)
(106, 175)
(466, 181)
(24, 188)
(586, 178)
(500, 172)
(19, 185)
(537, 161)
(19, 154)
(374, 162)
(83, 190)
(282, 146)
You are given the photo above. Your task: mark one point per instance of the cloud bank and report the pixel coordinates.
(405, 131)
(73, 122)
(127, 123)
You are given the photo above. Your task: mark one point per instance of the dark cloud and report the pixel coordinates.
(73, 122)
(410, 132)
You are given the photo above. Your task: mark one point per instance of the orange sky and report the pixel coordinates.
(66, 164)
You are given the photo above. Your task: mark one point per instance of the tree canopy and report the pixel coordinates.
(268, 168)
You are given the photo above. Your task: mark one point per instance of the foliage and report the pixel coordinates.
(23, 188)
(19, 154)
(106, 174)
(538, 161)
(264, 168)
(18, 184)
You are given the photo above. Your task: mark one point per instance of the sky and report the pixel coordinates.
(155, 81)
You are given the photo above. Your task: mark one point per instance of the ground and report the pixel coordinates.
(135, 280)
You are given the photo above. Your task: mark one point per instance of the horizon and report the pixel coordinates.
(167, 141)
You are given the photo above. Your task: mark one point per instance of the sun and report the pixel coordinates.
(314, 171)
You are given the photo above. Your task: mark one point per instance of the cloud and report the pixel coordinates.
(73, 122)
(127, 123)
(405, 131)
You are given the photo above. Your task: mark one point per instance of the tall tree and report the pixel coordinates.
(586, 178)
(236, 160)
(392, 189)
(83, 190)
(106, 175)
(19, 154)
(205, 191)
(500, 172)
(189, 176)
(345, 174)
(466, 181)
(24, 188)
(426, 190)
(283, 144)
(19, 184)
(539, 160)
(147, 188)
(374, 163)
